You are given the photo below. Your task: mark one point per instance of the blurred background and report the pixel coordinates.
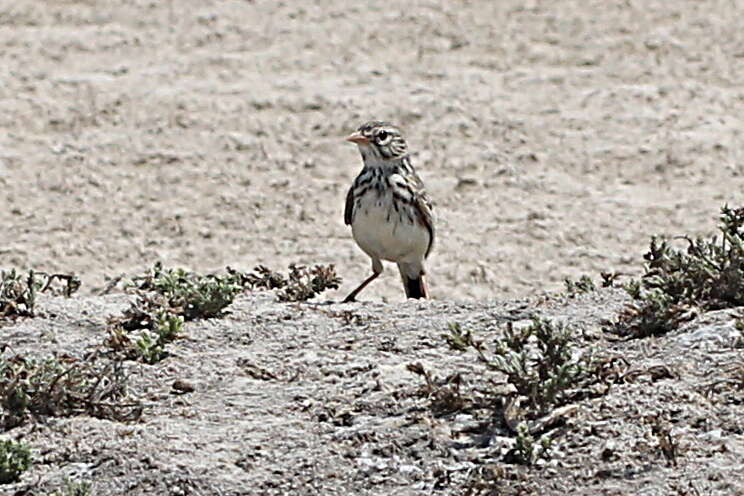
(555, 137)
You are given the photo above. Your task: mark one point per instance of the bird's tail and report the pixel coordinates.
(415, 286)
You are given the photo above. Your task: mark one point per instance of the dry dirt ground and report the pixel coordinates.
(318, 399)
(554, 137)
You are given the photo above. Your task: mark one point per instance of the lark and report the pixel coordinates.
(388, 209)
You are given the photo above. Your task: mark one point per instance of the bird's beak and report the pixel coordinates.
(357, 138)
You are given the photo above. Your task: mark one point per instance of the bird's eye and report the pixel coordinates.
(382, 136)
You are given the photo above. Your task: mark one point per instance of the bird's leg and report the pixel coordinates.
(352, 296)
(376, 271)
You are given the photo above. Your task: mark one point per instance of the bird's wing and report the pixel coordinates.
(349, 209)
(424, 209)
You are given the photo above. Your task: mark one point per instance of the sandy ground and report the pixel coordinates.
(554, 137)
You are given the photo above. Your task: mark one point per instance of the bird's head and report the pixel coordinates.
(379, 140)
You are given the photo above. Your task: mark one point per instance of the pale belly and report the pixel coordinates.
(385, 234)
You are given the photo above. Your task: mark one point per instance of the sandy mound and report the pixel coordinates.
(318, 398)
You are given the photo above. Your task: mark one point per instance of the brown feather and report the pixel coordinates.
(423, 207)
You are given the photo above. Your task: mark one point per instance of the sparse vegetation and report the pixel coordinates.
(305, 283)
(203, 296)
(302, 283)
(166, 298)
(543, 370)
(144, 330)
(61, 387)
(15, 458)
(583, 285)
(71, 488)
(539, 362)
(152, 347)
(262, 277)
(148, 346)
(707, 275)
(446, 395)
(190, 295)
(18, 292)
(527, 450)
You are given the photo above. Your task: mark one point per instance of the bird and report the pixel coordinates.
(388, 209)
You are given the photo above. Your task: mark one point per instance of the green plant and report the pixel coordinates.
(150, 349)
(15, 458)
(654, 314)
(169, 327)
(148, 346)
(527, 451)
(539, 361)
(583, 285)
(707, 275)
(203, 296)
(544, 371)
(192, 295)
(166, 298)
